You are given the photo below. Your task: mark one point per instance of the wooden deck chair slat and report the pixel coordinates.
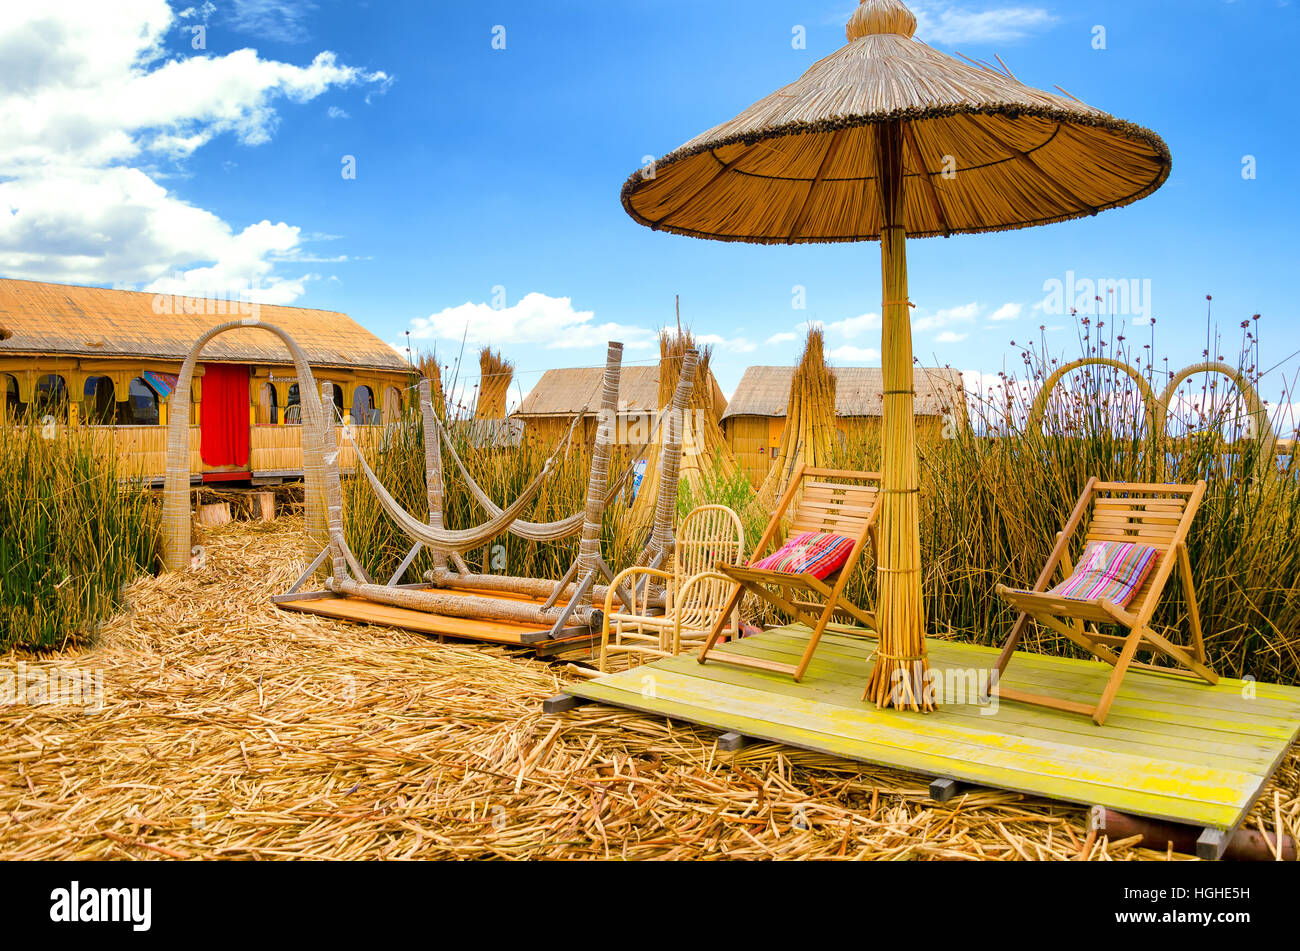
(1140, 513)
(811, 503)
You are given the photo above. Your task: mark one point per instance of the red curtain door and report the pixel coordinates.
(223, 415)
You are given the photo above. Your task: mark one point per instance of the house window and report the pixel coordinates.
(14, 408)
(267, 411)
(140, 407)
(392, 405)
(293, 407)
(363, 406)
(51, 397)
(99, 401)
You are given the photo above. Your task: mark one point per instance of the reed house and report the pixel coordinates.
(755, 418)
(108, 360)
(548, 409)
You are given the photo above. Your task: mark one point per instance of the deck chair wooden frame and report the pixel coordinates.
(814, 504)
(1141, 513)
(691, 593)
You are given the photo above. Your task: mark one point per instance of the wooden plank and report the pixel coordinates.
(721, 717)
(942, 739)
(1173, 701)
(423, 622)
(1121, 733)
(1184, 774)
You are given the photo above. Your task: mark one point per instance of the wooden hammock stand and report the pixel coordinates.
(541, 609)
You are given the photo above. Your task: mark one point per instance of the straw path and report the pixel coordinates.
(232, 730)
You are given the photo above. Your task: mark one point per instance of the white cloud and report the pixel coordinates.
(944, 21)
(946, 317)
(1008, 311)
(334, 112)
(91, 103)
(279, 20)
(854, 354)
(783, 337)
(729, 344)
(949, 336)
(536, 319)
(854, 326)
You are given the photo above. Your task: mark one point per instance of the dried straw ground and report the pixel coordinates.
(232, 730)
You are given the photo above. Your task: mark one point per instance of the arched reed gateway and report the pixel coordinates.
(109, 360)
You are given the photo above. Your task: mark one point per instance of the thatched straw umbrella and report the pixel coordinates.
(495, 374)
(810, 432)
(883, 139)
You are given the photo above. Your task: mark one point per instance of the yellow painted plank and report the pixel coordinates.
(720, 717)
(1157, 703)
(1269, 700)
(1045, 753)
(1243, 753)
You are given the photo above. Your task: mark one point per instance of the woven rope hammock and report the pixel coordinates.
(578, 583)
(453, 540)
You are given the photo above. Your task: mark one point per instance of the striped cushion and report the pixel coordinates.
(1113, 571)
(820, 554)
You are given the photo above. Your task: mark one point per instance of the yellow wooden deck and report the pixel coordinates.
(1171, 749)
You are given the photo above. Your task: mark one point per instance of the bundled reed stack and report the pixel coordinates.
(495, 374)
(810, 432)
(427, 366)
(705, 457)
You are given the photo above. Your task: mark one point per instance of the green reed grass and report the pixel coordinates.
(71, 536)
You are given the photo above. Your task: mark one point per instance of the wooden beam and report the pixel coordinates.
(562, 703)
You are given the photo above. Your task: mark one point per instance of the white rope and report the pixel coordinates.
(460, 540)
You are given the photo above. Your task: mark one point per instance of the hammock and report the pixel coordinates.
(449, 540)
(540, 531)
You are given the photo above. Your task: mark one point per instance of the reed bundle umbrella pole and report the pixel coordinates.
(882, 140)
(898, 677)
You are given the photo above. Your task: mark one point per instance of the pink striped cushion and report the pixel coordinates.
(1113, 571)
(820, 554)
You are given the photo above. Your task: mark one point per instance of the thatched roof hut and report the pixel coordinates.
(109, 358)
(559, 395)
(755, 418)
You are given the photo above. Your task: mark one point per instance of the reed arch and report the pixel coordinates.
(1263, 428)
(1154, 418)
(324, 495)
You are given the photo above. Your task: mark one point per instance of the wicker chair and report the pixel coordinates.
(694, 594)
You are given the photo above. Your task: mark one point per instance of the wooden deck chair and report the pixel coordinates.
(816, 500)
(1138, 513)
(694, 593)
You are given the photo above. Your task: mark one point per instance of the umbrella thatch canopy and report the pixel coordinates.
(886, 138)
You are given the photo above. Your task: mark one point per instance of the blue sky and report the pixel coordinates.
(485, 197)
